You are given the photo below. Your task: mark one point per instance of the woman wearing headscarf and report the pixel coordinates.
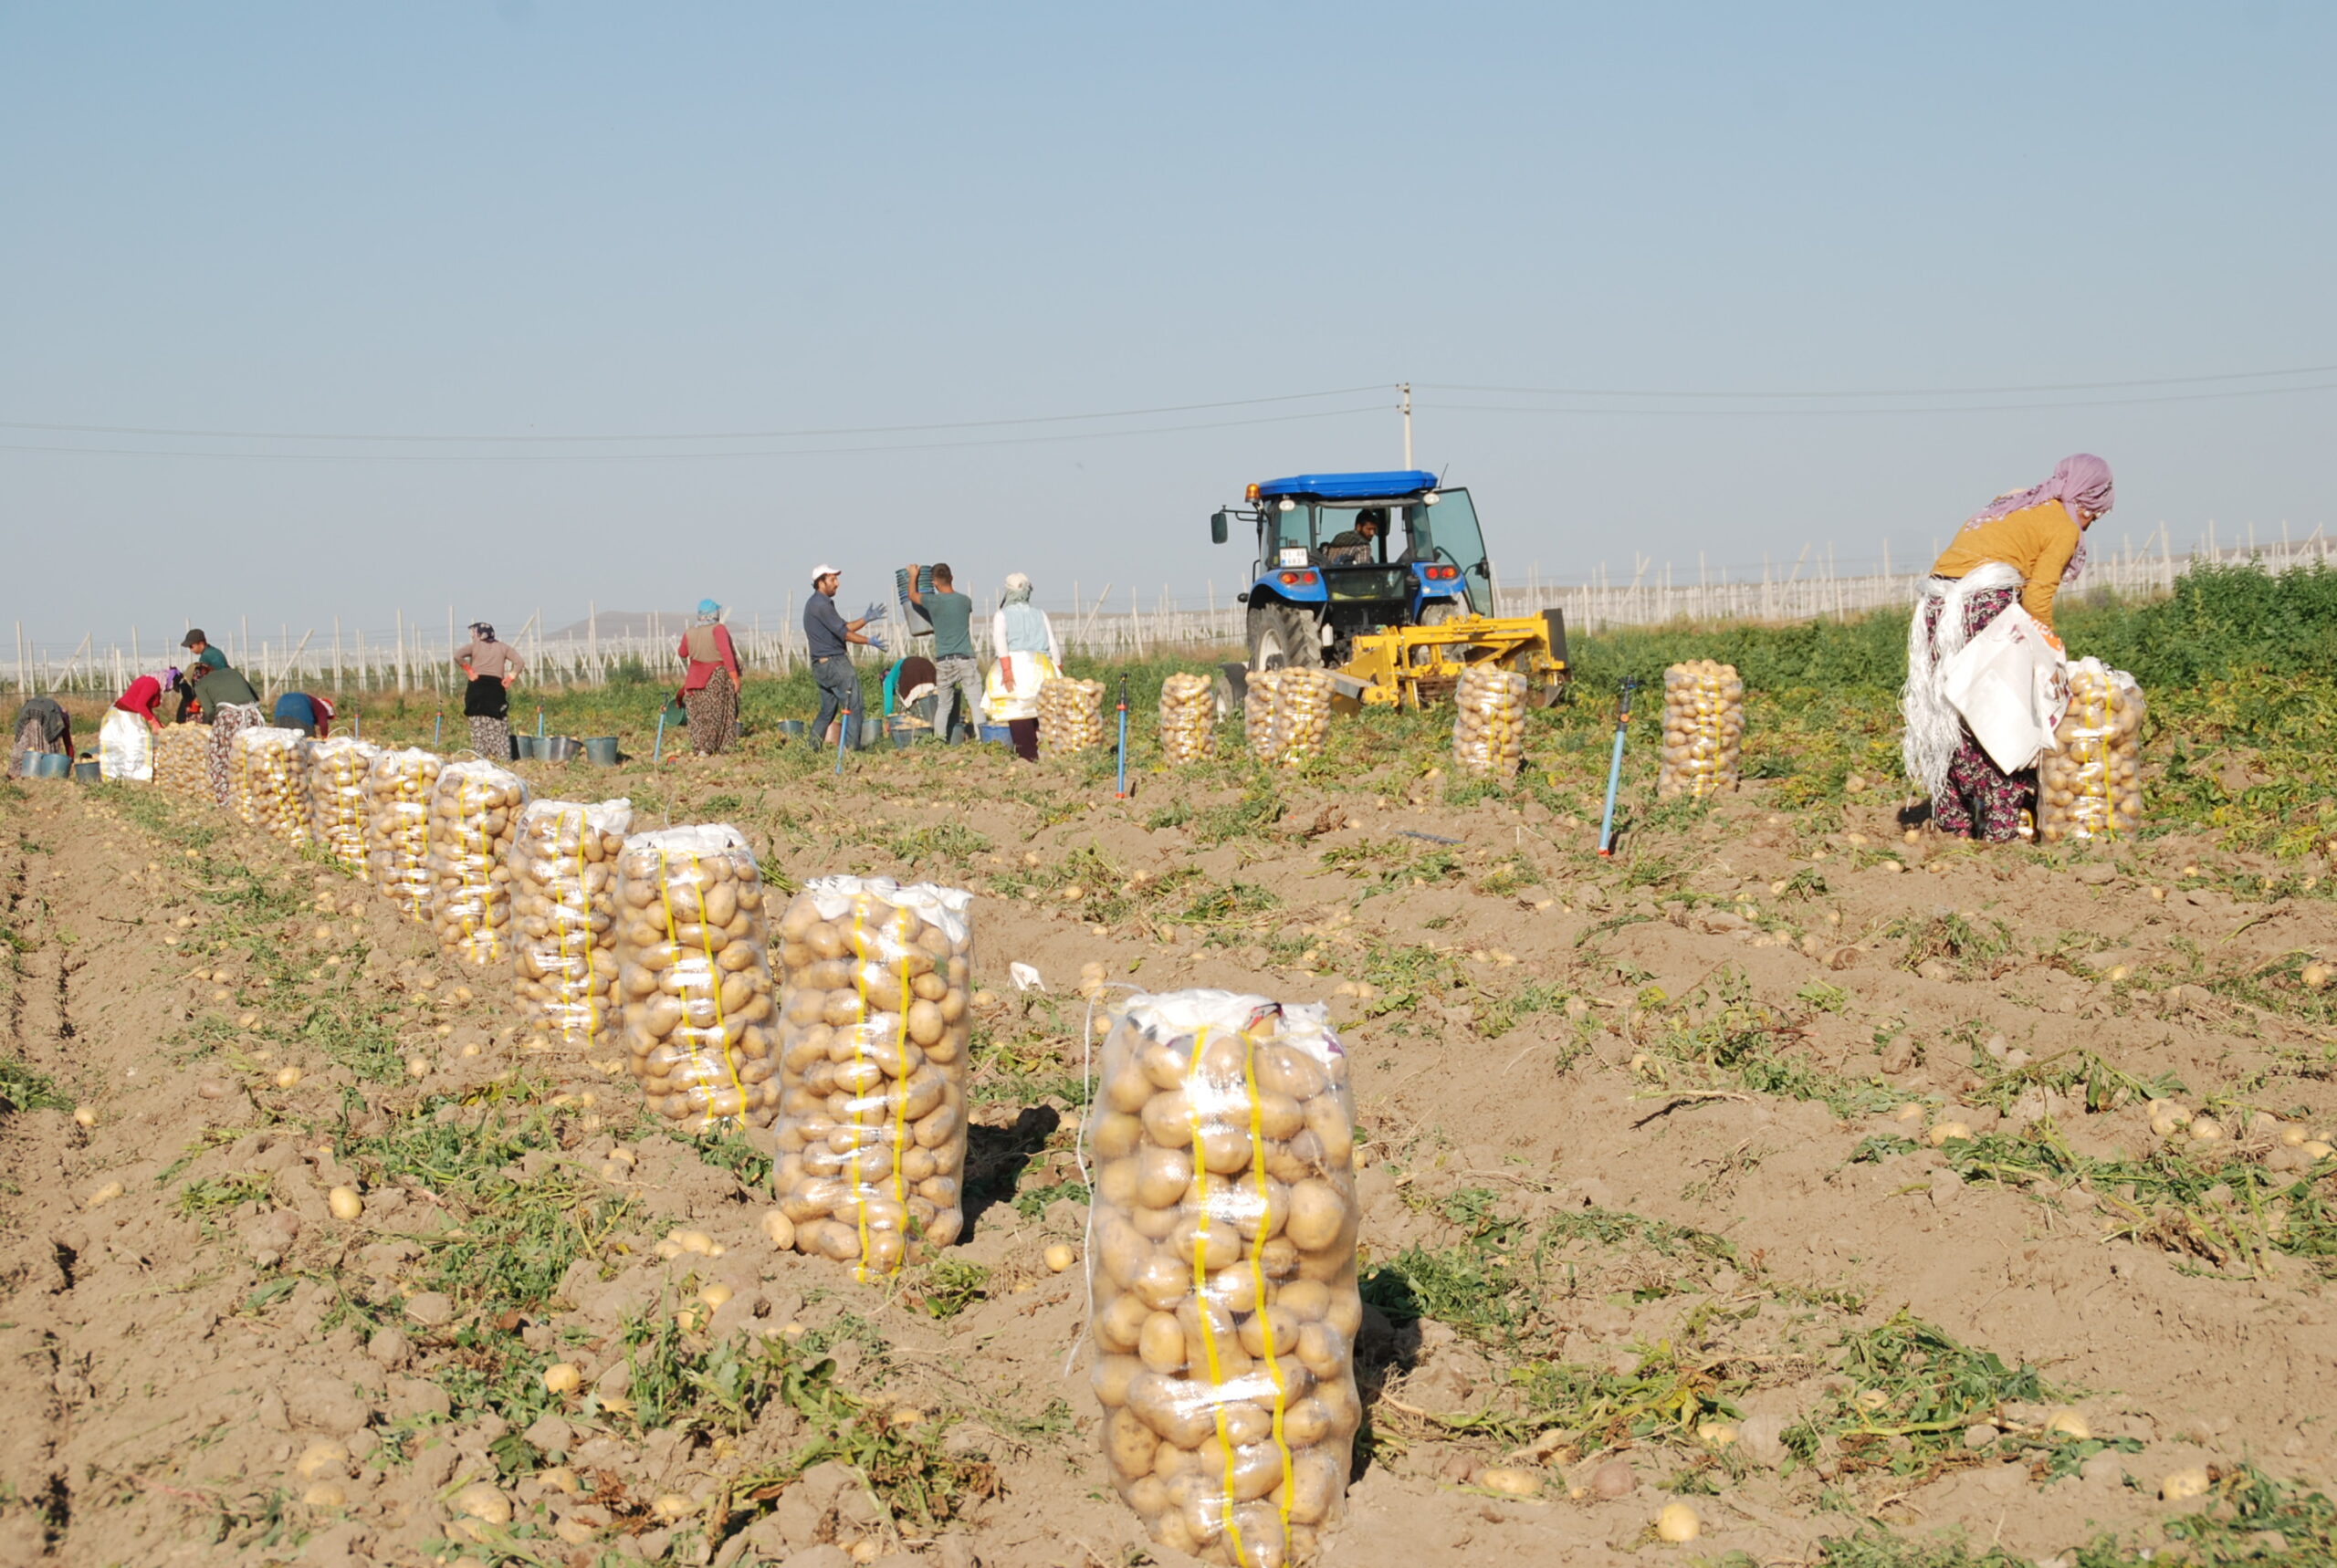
(710, 689)
(490, 667)
(126, 737)
(1029, 655)
(229, 705)
(42, 725)
(2024, 545)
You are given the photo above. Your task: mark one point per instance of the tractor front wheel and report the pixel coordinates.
(1283, 636)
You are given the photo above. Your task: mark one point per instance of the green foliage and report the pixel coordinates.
(1914, 1390)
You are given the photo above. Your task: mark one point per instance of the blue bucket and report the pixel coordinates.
(872, 730)
(86, 773)
(995, 734)
(48, 765)
(909, 732)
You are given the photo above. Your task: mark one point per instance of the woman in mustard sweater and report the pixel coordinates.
(2024, 545)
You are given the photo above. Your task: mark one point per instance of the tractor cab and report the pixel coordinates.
(1354, 570)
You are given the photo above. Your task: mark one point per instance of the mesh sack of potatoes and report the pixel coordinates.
(564, 918)
(398, 785)
(474, 819)
(180, 751)
(876, 981)
(2090, 785)
(694, 976)
(1070, 714)
(1704, 729)
(268, 791)
(1489, 722)
(1188, 717)
(1258, 712)
(335, 771)
(1302, 716)
(1221, 1265)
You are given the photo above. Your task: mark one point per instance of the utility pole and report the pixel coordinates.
(1406, 387)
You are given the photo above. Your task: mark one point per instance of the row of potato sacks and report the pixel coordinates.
(1489, 722)
(1221, 1271)
(2092, 785)
(1070, 714)
(1188, 718)
(1703, 729)
(1287, 715)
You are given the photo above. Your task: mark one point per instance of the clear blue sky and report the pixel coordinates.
(563, 219)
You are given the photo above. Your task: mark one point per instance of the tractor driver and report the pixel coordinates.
(1358, 545)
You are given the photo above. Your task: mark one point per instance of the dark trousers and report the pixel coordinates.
(839, 685)
(1025, 733)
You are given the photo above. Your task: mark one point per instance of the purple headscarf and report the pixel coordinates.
(2080, 481)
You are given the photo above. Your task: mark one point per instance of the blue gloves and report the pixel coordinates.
(875, 611)
(874, 641)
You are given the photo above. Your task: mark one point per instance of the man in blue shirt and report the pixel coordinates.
(826, 637)
(956, 675)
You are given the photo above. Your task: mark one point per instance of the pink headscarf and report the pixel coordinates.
(2080, 481)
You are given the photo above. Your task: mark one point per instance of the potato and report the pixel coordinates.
(695, 1012)
(1258, 713)
(1302, 715)
(873, 995)
(265, 788)
(181, 760)
(1246, 1382)
(1071, 716)
(1489, 722)
(398, 788)
(2090, 785)
(563, 900)
(1703, 729)
(1188, 718)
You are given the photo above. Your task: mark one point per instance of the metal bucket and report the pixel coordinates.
(528, 746)
(907, 732)
(558, 747)
(48, 765)
(85, 773)
(795, 728)
(601, 750)
(872, 730)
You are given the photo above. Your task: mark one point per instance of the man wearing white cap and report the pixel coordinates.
(828, 636)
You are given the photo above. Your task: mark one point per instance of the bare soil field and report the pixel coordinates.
(1826, 1181)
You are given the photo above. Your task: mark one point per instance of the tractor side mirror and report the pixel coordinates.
(1217, 528)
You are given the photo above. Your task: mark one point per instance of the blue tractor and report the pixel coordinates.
(1384, 579)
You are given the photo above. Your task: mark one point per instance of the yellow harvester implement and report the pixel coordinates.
(1413, 666)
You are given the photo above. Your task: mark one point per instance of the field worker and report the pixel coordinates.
(908, 683)
(958, 677)
(126, 738)
(42, 725)
(1029, 655)
(202, 658)
(1354, 547)
(710, 689)
(306, 712)
(826, 637)
(227, 704)
(490, 667)
(2022, 546)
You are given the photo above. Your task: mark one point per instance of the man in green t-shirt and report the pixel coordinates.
(957, 675)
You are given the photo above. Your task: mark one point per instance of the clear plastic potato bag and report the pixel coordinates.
(875, 985)
(1489, 722)
(398, 787)
(180, 753)
(474, 819)
(1703, 729)
(1071, 716)
(700, 1026)
(1222, 1267)
(1188, 718)
(1258, 712)
(335, 772)
(2090, 785)
(267, 790)
(1302, 716)
(564, 918)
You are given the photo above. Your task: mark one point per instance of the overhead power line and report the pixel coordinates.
(678, 456)
(697, 435)
(1870, 413)
(1880, 391)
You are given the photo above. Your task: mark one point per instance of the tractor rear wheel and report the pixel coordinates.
(1283, 636)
